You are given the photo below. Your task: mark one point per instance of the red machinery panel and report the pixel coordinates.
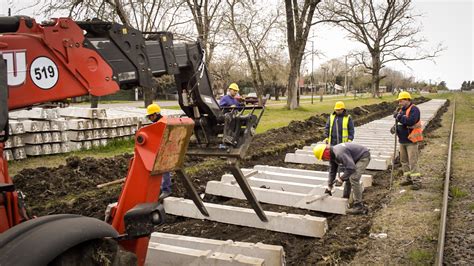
(49, 62)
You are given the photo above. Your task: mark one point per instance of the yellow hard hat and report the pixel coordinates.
(319, 150)
(403, 95)
(234, 86)
(339, 105)
(153, 109)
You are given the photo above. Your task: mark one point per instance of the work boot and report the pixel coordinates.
(358, 208)
(407, 182)
(164, 194)
(416, 186)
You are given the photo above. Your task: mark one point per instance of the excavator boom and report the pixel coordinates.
(62, 58)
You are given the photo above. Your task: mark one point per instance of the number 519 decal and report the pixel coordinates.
(44, 73)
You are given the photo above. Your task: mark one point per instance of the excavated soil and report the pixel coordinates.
(71, 188)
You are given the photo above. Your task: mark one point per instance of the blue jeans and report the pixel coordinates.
(166, 182)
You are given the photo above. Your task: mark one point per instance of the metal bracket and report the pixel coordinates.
(192, 193)
(244, 185)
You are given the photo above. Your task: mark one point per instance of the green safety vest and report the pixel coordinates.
(345, 125)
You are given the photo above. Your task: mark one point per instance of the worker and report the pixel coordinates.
(409, 133)
(232, 99)
(339, 127)
(154, 115)
(354, 158)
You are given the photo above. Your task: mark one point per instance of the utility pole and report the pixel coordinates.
(345, 78)
(312, 71)
(325, 85)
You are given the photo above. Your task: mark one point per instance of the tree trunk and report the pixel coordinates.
(147, 96)
(292, 103)
(94, 101)
(375, 75)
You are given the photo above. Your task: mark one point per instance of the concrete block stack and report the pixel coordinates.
(14, 146)
(95, 127)
(38, 131)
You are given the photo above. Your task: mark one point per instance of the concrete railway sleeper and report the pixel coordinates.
(255, 177)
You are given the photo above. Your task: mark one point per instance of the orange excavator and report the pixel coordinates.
(59, 59)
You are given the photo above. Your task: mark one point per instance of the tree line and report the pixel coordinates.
(264, 43)
(467, 85)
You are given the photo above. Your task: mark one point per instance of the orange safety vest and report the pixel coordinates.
(416, 134)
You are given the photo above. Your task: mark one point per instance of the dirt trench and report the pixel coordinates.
(71, 188)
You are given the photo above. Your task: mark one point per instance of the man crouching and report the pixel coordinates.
(351, 157)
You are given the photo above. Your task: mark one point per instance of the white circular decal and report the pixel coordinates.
(44, 73)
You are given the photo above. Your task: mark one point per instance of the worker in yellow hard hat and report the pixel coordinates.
(153, 112)
(354, 158)
(232, 98)
(339, 127)
(409, 132)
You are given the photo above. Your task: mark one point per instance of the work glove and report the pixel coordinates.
(338, 182)
(399, 116)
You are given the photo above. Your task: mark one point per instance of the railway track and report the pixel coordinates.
(444, 210)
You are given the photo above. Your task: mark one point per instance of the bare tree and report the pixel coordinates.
(387, 28)
(144, 15)
(334, 72)
(252, 27)
(299, 17)
(208, 16)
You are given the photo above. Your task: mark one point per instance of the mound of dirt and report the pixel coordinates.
(71, 188)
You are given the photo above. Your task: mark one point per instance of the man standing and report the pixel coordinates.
(153, 112)
(409, 133)
(354, 158)
(232, 98)
(339, 127)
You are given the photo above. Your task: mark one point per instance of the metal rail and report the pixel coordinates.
(444, 211)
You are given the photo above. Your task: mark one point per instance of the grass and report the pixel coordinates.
(276, 115)
(420, 256)
(457, 193)
(405, 198)
(471, 207)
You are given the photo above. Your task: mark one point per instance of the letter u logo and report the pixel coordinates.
(16, 67)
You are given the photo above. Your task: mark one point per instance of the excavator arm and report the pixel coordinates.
(62, 58)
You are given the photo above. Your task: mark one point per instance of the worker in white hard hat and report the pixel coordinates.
(354, 158)
(339, 127)
(232, 99)
(153, 112)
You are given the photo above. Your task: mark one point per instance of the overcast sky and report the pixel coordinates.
(449, 22)
(444, 21)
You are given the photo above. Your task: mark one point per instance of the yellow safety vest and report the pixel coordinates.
(345, 125)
